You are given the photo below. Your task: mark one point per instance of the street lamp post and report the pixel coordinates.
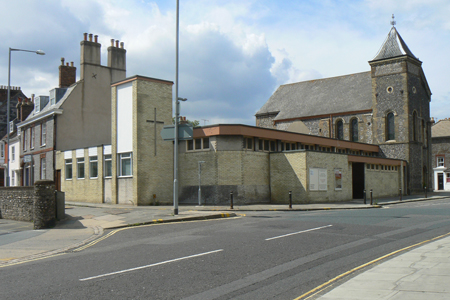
(175, 155)
(39, 52)
(200, 182)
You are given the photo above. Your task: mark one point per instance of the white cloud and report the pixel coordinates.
(233, 54)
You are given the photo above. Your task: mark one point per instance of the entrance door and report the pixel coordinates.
(58, 180)
(358, 180)
(440, 181)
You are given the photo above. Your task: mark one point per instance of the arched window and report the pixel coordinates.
(354, 130)
(339, 130)
(390, 127)
(414, 126)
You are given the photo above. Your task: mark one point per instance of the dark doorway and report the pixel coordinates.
(58, 180)
(440, 181)
(358, 180)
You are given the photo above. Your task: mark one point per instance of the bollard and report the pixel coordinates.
(364, 196)
(371, 197)
(290, 199)
(400, 194)
(231, 200)
(425, 192)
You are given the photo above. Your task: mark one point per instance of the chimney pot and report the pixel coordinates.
(85, 36)
(71, 63)
(121, 44)
(112, 42)
(62, 61)
(67, 64)
(117, 43)
(19, 99)
(96, 38)
(90, 37)
(32, 98)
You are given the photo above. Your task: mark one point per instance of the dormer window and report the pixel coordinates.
(11, 127)
(37, 105)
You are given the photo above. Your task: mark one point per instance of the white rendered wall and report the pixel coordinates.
(124, 118)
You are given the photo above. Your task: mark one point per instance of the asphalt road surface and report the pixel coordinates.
(262, 255)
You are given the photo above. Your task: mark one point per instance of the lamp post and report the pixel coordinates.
(39, 52)
(175, 153)
(200, 182)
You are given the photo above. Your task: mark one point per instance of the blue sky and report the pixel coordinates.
(233, 54)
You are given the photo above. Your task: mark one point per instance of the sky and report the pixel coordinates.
(233, 53)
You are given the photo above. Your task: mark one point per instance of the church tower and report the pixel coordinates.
(401, 110)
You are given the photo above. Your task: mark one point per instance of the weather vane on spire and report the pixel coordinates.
(393, 20)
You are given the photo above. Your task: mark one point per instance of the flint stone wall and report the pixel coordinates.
(31, 204)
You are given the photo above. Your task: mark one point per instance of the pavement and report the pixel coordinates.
(422, 272)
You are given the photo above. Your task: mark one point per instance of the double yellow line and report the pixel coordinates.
(327, 284)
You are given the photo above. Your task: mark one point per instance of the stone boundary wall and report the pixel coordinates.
(31, 204)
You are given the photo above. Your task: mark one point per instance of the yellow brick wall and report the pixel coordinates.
(383, 182)
(81, 190)
(289, 172)
(244, 172)
(153, 174)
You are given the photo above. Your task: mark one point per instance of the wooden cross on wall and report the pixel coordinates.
(154, 121)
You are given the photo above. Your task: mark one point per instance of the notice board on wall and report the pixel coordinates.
(317, 179)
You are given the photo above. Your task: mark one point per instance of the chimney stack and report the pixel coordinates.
(67, 74)
(117, 56)
(90, 52)
(25, 109)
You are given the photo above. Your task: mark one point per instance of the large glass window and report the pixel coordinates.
(354, 130)
(80, 168)
(108, 165)
(339, 130)
(68, 168)
(93, 167)
(43, 168)
(125, 164)
(390, 127)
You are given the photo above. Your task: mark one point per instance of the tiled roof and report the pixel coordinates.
(441, 128)
(48, 108)
(323, 96)
(393, 46)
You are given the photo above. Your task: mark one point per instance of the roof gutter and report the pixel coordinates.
(43, 116)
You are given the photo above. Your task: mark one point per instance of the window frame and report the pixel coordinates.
(93, 161)
(354, 130)
(438, 164)
(68, 163)
(340, 129)
(120, 160)
(32, 134)
(390, 126)
(43, 168)
(13, 153)
(107, 165)
(81, 168)
(43, 134)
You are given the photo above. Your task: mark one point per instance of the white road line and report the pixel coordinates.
(149, 266)
(285, 235)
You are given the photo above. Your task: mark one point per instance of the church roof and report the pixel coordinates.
(322, 96)
(393, 46)
(441, 128)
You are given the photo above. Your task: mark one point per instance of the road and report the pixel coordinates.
(262, 255)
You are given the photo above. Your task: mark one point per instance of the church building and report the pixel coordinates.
(388, 106)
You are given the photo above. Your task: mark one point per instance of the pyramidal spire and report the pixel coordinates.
(393, 45)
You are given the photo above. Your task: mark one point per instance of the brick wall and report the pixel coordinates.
(82, 190)
(245, 173)
(289, 172)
